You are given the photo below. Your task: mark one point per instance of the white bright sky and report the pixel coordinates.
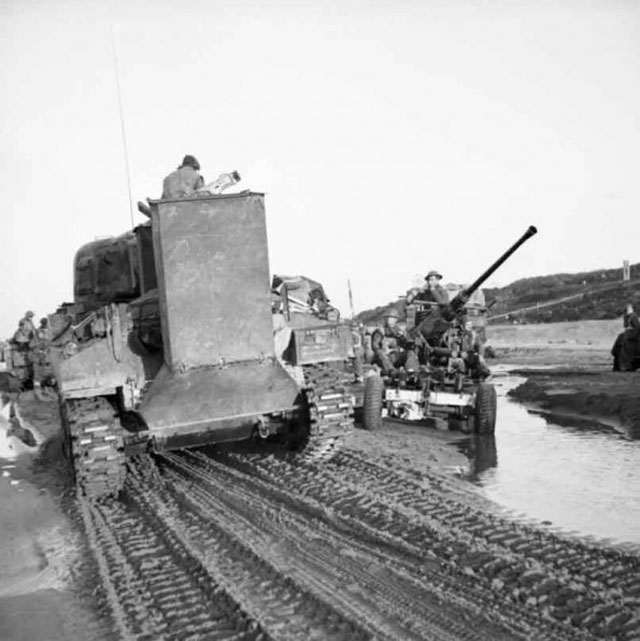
(390, 137)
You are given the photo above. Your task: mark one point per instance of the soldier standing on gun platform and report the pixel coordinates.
(432, 292)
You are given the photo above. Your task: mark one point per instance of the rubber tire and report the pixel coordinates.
(486, 405)
(372, 402)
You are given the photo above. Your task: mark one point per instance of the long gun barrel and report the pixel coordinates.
(459, 301)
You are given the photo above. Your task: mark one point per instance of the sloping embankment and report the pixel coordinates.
(608, 397)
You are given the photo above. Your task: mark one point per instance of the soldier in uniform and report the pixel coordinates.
(43, 332)
(432, 292)
(21, 361)
(40, 352)
(26, 325)
(472, 349)
(626, 349)
(184, 181)
(391, 347)
(23, 335)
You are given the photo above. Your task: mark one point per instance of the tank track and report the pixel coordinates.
(330, 406)
(94, 444)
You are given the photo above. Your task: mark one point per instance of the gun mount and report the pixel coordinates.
(449, 386)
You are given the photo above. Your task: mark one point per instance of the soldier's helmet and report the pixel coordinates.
(433, 272)
(190, 161)
(29, 314)
(392, 313)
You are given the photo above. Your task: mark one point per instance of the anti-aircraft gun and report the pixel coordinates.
(450, 385)
(169, 343)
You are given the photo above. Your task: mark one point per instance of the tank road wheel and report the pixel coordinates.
(485, 413)
(330, 412)
(372, 403)
(94, 443)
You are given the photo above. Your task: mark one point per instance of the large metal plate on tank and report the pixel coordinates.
(213, 279)
(213, 398)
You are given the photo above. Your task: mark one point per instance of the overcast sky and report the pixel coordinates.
(390, 138)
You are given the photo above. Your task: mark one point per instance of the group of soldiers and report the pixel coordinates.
(29, 349)
(438, 335)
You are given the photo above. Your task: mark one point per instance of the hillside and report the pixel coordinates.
(594, 295)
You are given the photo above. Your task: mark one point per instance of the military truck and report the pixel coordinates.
(450, 387)
(169, 343)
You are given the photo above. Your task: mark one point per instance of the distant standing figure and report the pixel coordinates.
(44, 331)
(22, 336)
(626, 349)
(27, 326)
(184, 181)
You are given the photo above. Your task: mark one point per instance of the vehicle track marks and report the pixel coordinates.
(430, 573)
(375, 586)
(221, 544)
(155, 589)
(494, 555)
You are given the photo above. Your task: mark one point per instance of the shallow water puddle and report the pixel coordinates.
(578, 475)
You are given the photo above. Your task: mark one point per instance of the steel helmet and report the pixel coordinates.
(190, 161)
(433, 272)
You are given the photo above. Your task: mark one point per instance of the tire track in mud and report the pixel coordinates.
(591, 586)
(368, 585)
(283, 608)
(567, 588)
(476, 611)
(155, 590)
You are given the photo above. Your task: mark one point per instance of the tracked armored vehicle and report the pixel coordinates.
(313, 336)
(169, 343)
(450, 386)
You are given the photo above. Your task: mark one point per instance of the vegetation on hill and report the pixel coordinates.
(595, 295)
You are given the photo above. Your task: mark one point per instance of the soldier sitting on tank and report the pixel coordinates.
(626, 349)
(391, 347)
(184, 181)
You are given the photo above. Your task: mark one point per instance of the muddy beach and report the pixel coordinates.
(393, 538)
(611, 398)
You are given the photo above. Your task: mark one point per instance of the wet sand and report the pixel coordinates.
(48, 575)
(45, 584)
(582, 386)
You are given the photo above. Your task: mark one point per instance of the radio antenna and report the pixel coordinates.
(116, 67)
